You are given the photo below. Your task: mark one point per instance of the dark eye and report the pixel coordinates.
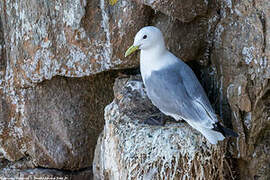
(145, 36)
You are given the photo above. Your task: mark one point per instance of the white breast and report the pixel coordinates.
(150, 62)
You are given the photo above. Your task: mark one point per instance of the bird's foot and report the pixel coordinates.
(155, 121)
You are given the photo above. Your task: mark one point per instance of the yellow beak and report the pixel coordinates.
(131, 50)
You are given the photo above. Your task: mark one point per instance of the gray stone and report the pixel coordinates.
(241, 55)
(72, 38)
(63, 118)
(182, 10)
(59, 121)
(188, 41)
(43, 39)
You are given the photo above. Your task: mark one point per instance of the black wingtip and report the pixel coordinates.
(225, 131)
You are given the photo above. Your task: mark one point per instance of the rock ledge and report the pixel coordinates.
(129, 150)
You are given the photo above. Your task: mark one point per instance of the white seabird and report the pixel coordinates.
(173, 87)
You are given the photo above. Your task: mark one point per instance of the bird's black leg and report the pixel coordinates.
(155, 120)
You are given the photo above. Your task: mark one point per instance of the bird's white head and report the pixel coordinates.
(148, 37)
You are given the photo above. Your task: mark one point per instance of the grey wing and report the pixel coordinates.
(167, 90)
(196, 91)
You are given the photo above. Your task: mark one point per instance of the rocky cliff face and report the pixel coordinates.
(58, 62)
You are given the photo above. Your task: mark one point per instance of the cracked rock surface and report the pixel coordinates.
(24, 169)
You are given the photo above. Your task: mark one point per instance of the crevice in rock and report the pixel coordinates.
(209, 80)
(45, 173)
(130, 71)
(262, 19)
(152, 15)
(242, 115)
(231, 168)
(2, 51)
(64, 171)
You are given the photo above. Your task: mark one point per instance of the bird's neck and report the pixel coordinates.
(156, 49)
(153, 59)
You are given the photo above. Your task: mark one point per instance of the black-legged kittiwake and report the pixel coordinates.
(173, 87)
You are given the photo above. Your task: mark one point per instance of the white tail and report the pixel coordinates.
(212, 136)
